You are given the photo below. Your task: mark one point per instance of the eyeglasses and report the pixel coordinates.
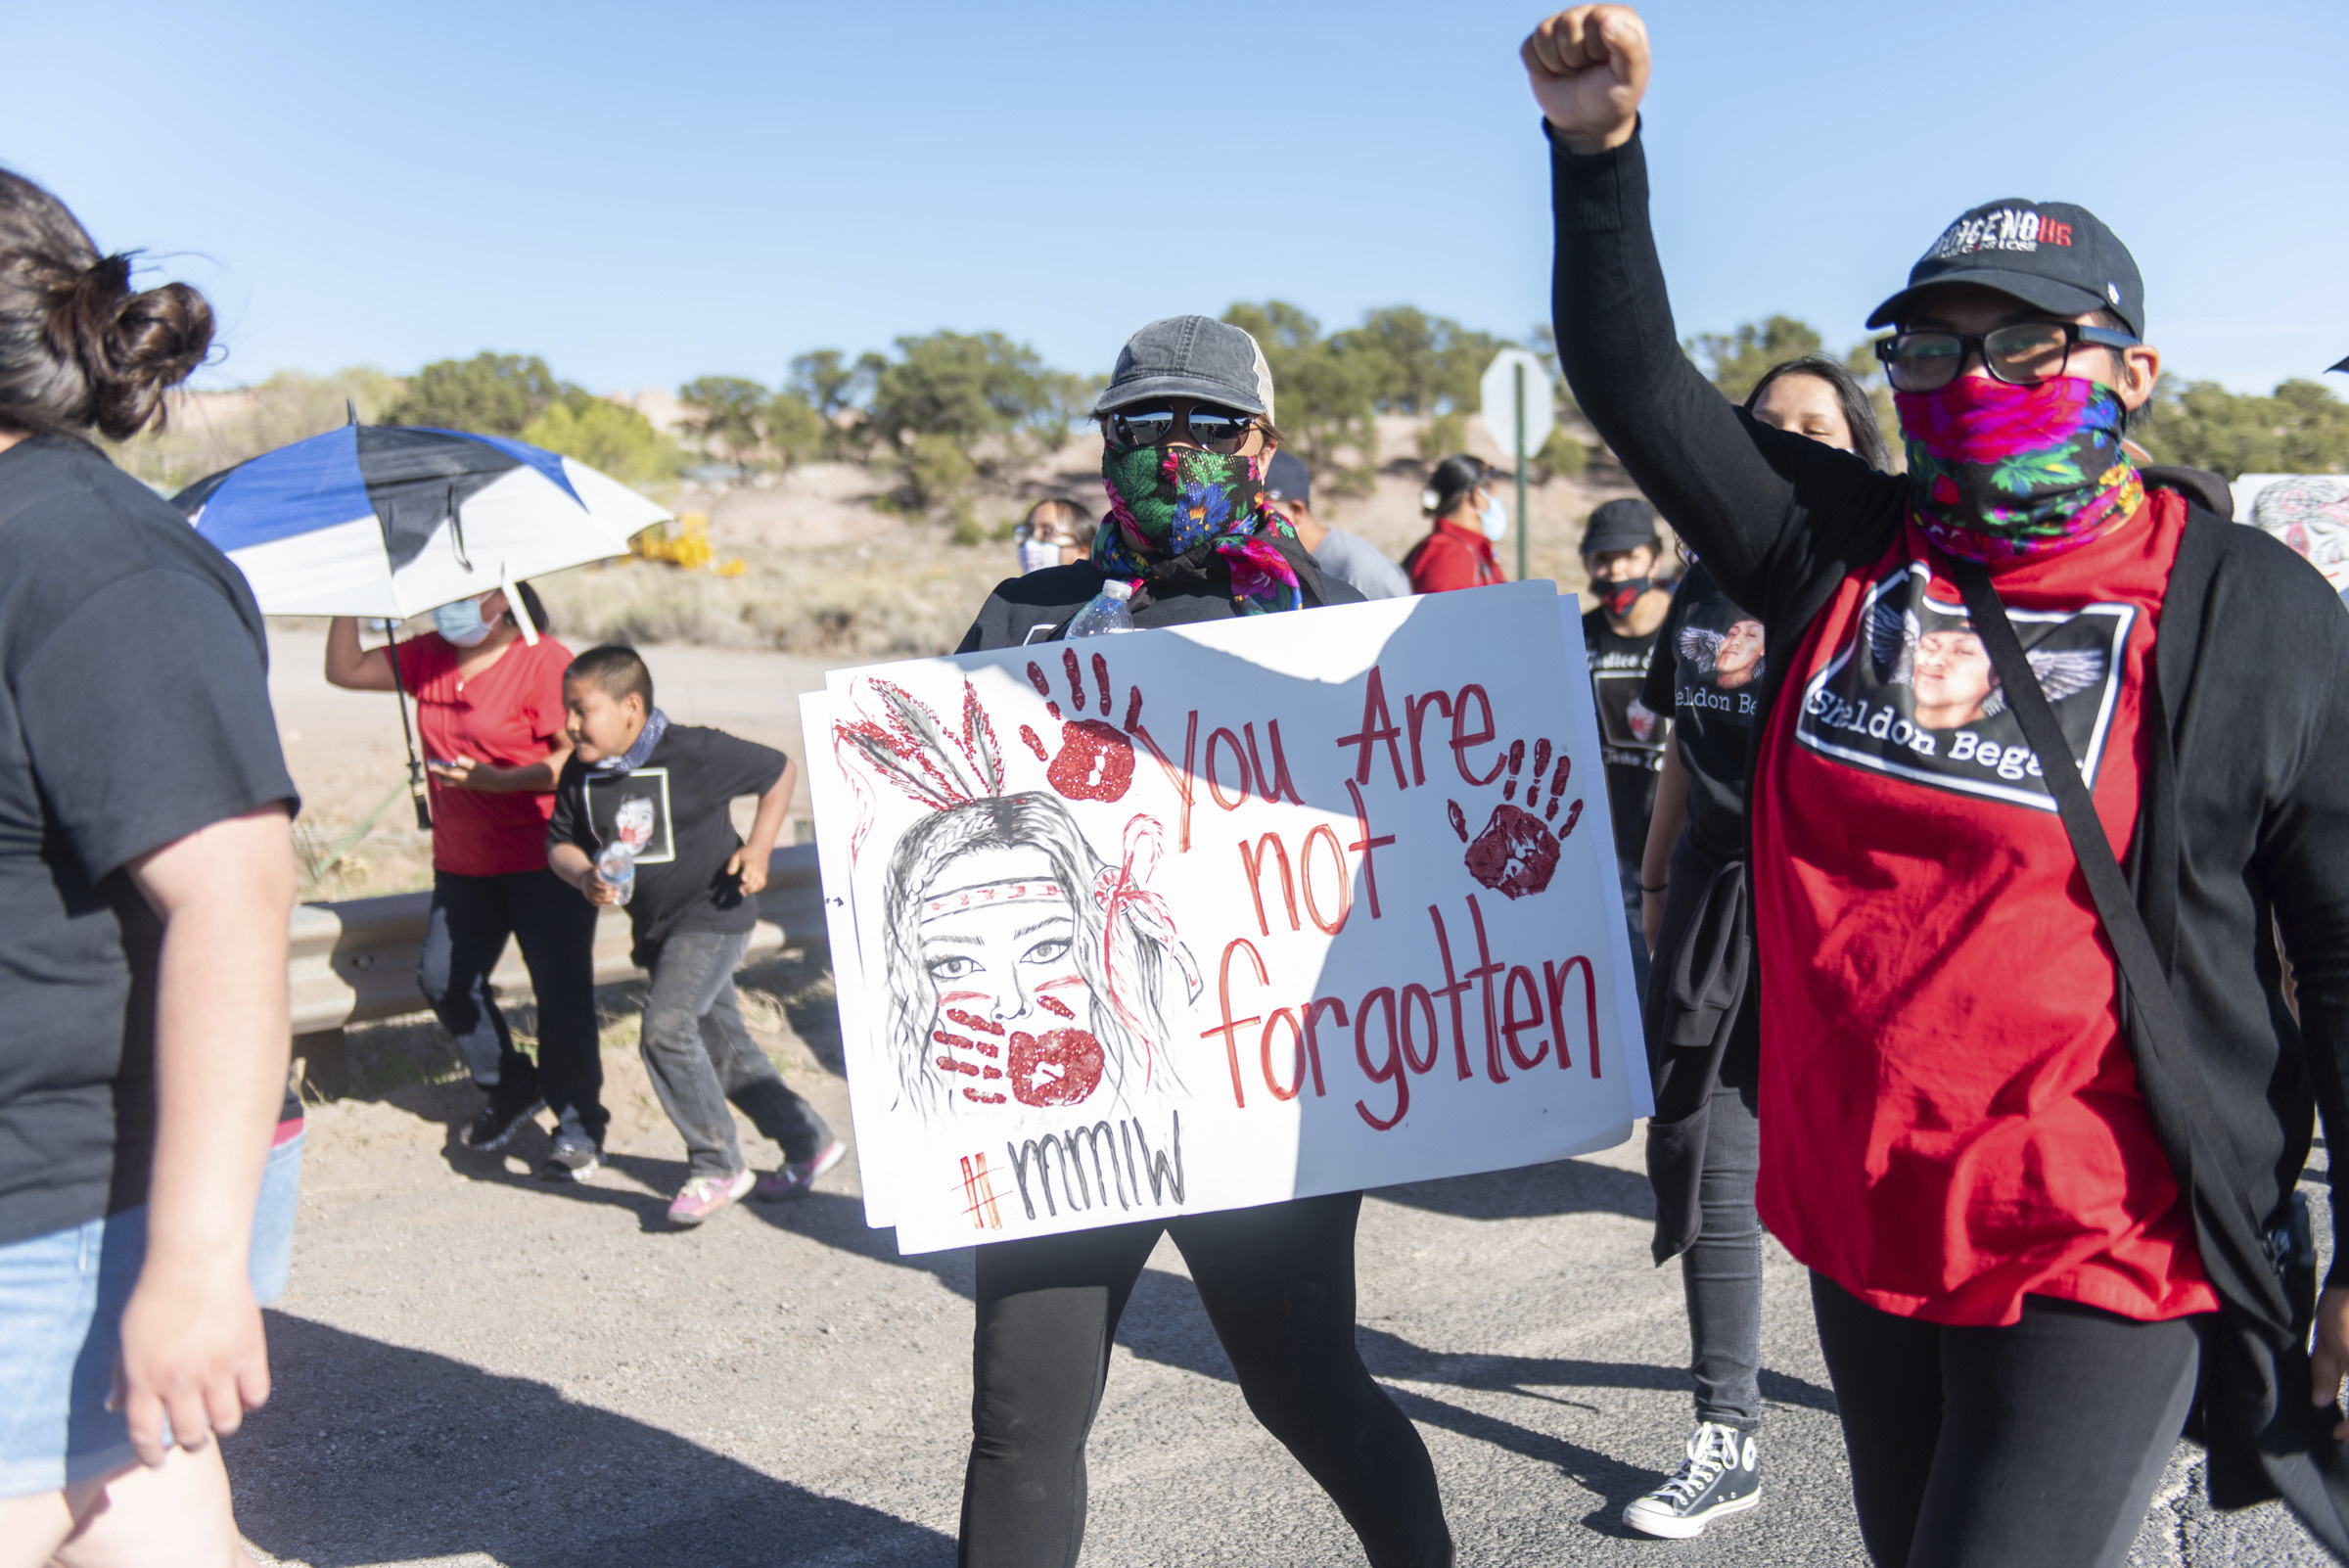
(1221, 431)
(2022, 354)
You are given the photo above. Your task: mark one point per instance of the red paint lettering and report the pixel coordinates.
(1304, 874)
(1230, 1025)
(1313, 1046)
(1390, 1071)
(1215, 786)
(1511, 1025)
(1435, 1034)
(1462, 740)
(1275, 785)
(1416, 709)
(1554, 982)
(1487, 967)
(1366, 846)
(1451, 991)
(1297, 1041)
(1377, 725)
(1252, 867)
(1183, 779)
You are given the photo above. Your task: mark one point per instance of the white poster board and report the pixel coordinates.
(1217, 915)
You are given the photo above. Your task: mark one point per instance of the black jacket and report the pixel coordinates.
(2244, 817)
(1041, 603)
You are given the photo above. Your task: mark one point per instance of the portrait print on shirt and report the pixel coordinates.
(634, 810)
(1720, 663)
(1914, 695)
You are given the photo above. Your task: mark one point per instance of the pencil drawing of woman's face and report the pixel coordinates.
(998, 942)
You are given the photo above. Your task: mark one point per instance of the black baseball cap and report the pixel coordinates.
(1623, 524)
(1190, 357)
(1287, 479)
(2052, 255)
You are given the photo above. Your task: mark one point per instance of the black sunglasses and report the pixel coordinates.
(1221, 431)
(2021, 354)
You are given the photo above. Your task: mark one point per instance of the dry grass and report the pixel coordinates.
(896, 597)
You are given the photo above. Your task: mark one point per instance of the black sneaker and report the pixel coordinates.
(574, 1159)
(499, 1121)
(1718, 1477)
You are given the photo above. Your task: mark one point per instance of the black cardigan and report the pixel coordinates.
(2244, 818)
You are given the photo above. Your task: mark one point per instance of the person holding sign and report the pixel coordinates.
(1188, 421)
(1704, 1142)
(2036, 1219)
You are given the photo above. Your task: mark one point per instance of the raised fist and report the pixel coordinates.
(1588, 68)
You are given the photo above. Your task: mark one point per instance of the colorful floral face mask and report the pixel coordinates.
(1997, 472)
(1169, 506)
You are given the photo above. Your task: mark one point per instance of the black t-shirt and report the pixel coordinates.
(674, 809)
(1707, 674)
(135, 709)
(1631, 734)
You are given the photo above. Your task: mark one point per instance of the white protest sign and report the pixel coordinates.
(1514, 375)
(1222, 914)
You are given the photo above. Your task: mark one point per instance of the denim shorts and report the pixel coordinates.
(61, 1313)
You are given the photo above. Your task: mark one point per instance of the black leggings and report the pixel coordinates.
(1277, 1283)
(2036, 1444)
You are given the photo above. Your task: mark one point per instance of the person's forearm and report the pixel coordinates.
(768, 822)
(351, 667)
(1670, 816)
(221, 1041)
(569, 862)
(1683, 442)
(534, 778)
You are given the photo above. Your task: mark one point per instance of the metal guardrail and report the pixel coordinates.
(355, 961)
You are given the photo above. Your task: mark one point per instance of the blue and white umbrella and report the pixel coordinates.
(389, 521)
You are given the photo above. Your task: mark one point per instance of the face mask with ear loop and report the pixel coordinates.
(1495, 519)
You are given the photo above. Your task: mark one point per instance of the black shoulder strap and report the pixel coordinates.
(2157, 1028)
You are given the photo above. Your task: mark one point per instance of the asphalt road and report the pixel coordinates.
(473, 1368)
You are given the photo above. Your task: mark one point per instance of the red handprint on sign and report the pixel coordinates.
(1517, 854)
(1095, 761)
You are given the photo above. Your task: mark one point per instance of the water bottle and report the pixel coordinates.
(616, 865)
(1106, 613)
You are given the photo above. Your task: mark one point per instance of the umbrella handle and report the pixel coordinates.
(399, 696)
(515, 607)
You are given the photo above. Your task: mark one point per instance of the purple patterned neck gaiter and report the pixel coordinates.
(1998, 473)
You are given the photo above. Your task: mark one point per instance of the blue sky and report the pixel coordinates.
(644, 194)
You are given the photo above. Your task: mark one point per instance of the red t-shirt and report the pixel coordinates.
(508, 714)
(1452, 557)
(1950, 1114)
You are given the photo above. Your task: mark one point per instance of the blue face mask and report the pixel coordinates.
(1495, 519)
(461, 623)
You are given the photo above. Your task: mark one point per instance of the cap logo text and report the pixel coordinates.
(2009, 228)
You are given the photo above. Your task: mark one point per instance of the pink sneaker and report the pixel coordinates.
(704, 1196)
(794, 1180)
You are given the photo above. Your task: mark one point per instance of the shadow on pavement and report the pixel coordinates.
(369, 1453)
(1390, 1357)
(1563, 1186)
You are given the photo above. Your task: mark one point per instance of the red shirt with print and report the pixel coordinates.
(508, 714)
(1950, 1114)
(1452, 557)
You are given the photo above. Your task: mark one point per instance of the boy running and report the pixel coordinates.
(663, 790)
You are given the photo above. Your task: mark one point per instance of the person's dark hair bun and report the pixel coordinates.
(79, 347)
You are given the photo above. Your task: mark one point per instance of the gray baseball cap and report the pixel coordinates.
(1190, 357)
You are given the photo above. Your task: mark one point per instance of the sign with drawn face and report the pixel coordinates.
(1914, 696)
(1224, 914)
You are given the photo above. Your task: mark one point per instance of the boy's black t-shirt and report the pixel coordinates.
(1706, 672)
(1631, 734)
(674, 810)
(135, 709)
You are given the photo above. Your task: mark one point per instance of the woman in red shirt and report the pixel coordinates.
(1464, 519)
(489, 709)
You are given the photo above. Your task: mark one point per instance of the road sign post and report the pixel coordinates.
(1518, 409)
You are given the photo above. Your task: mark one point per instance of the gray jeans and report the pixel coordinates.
(1721, 1270)
(701, 1055)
